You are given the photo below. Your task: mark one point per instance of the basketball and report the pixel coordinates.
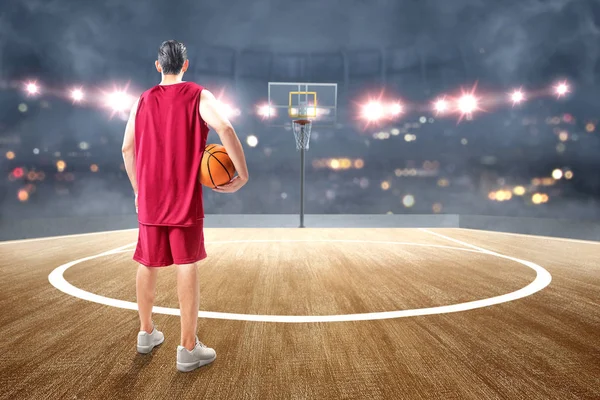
(216, 167)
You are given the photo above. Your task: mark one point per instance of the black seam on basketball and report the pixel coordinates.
(222, 165)
(217, 152)
(210, 148)
(209, 174)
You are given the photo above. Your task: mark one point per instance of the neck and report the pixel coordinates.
(171, 79)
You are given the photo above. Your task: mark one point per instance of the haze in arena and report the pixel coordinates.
(343, 199)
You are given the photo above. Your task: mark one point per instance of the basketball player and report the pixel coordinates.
(162, 148)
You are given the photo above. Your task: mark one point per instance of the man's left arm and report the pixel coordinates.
(128, 150)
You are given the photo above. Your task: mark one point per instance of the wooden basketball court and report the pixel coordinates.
(310, 314)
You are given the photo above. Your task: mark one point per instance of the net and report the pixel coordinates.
(301, 128)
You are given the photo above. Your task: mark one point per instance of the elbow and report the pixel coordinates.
(127, 150)
(226, 130)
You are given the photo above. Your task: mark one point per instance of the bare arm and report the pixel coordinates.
(210, 112)
(128, 150)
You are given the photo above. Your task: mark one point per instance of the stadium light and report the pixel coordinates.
(373, 111)
(77, 94)
(467, 104)
(395, 109)
(32, 88)
(119, 101)
(440, 106)
(561, 89)
(517, 96)
(229, 110)
(266, 111)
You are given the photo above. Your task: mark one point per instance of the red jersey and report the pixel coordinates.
(170, 136)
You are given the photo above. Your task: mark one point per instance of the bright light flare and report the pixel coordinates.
(119, 101)
(77, 95)
(229, 110)
(561, 89)
(440, 106)
(395, 109)
(557, 174)
(266, 111)
(467, 104)
(517, 97)
(373, 111)
(252, 140)
(32, 88)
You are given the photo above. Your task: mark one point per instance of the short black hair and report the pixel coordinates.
(171, 56)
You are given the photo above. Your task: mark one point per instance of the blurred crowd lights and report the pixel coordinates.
(61, 165)
(563, 136)
(25, 192)
(67, 176)
(408, 200)
(519, 190)
(539, 198)
(500, 195)
(23, 195)
(443, 182)
(557, 174)
(546, 181)
(338, 163)
(252, 140)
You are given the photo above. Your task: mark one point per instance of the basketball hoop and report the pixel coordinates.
(301, 128)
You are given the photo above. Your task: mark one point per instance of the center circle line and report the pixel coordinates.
(542, 279)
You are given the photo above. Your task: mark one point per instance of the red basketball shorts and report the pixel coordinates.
(161, 246)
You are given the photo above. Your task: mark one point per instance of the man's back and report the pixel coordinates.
(170, 137)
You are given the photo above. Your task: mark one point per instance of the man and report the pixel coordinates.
(162, 148)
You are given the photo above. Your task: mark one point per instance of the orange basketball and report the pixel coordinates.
(216, 167)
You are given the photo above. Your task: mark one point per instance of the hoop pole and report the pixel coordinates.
(302, 186)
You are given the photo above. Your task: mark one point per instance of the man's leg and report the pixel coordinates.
(189, 298)
(145, 285)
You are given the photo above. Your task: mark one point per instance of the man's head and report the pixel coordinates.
(172, 58)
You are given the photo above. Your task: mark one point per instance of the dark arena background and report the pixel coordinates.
(452, 200)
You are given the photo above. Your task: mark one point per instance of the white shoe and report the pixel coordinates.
(190, 360)
(147, 341)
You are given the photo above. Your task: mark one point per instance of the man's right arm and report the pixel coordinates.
(213, 116)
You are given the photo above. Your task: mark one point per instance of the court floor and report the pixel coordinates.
(347, 313)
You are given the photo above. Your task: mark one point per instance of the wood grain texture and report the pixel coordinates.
(545, 346)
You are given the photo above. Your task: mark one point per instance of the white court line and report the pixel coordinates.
(542, 280)
(64, 236)
(533, 236)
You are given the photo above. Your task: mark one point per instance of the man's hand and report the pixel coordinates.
(233, 186)
(136, 204)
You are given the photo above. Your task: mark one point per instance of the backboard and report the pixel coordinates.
(299, 100)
